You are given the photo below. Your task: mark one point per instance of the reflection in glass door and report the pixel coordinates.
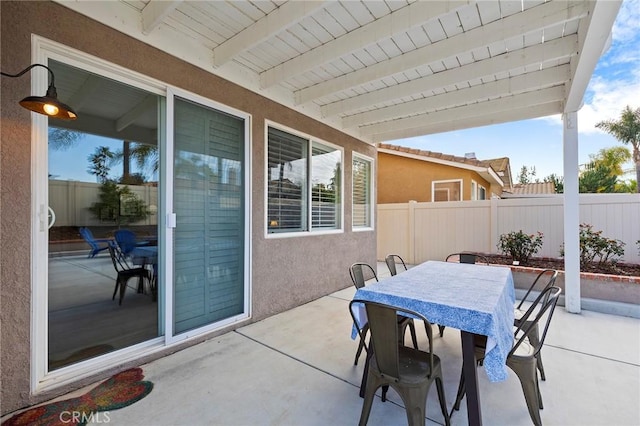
(103, 187)
(208, 197)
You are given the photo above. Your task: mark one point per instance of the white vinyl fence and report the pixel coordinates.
(70, 201)
(430, 231)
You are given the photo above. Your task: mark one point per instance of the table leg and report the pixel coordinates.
(474, 415)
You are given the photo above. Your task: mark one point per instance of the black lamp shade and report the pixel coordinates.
(49, 105)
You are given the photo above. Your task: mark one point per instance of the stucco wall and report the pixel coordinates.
(285, 272)
(401, 179)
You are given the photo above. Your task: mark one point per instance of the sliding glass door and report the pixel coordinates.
(209, 194)
(102, 184)
(161, 180)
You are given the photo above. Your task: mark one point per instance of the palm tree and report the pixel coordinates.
(627, 131)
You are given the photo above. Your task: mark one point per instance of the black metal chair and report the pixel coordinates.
(467, 257)
(125, 271)
(410, 372)
(548, 278)
(361, 273)
(392, 260)
(522, 358)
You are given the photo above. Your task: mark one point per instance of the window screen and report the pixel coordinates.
(361, 193)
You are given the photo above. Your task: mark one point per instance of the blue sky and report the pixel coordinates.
(538, 143)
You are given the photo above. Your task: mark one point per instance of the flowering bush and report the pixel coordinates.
(596, 250)
(520, 246)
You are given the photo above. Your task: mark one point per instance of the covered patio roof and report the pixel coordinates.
(384, 70)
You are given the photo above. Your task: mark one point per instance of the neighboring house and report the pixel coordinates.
(535, 189)
(406, 174)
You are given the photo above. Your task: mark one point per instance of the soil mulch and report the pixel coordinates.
(627, 269)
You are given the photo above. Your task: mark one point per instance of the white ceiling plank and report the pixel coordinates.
(531, 55)
(129, 117)
(155, 12)
(280, 19)
(468, 111)
(508, 86)
(452, 123)
(83, 94)
(393, 23)
(530, 20)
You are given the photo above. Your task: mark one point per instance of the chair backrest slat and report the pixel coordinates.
(467, 257)
(390, 260)
(544, 304)
(357, 272)
(551, 275)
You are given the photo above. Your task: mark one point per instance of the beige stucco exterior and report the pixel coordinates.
(285, 272)
(401, 179)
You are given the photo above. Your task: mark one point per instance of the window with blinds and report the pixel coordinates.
(303, 190)
(361, 214)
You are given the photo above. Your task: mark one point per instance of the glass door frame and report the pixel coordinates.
(170, 219)
(40, 378)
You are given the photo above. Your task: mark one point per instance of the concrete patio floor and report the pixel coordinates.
(296, 368)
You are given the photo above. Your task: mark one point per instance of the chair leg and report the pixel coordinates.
(415, 403)
(527, 375)
(115, 290)
(443, 401)
(459, 394)
(365, 329)
(123, 286)
(412, 330)
(371, 386)
(441, 330)
(365, 373)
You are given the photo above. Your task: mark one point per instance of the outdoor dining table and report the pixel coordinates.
(476, 299)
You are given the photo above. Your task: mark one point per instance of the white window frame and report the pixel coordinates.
(474, 190)
(433, 188)
(370, 226)
(308, 196)
(480, 189)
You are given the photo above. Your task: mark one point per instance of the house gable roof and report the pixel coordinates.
(483, 168)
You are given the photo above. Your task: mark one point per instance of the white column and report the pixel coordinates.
(571, 213)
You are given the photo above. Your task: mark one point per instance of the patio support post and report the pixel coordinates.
(571, 213)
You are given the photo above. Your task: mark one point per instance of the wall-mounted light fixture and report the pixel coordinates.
(48, 104)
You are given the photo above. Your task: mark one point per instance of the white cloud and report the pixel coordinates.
(616, 83)
(608, 99)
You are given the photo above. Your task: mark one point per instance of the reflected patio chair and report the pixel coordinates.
(96, 244)
(125, 271)
(392, 260)
(127, 241)
(410, 372)
(361, 273)
(544, 280)
(522, 358)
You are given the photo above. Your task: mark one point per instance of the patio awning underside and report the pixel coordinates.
(384, 70)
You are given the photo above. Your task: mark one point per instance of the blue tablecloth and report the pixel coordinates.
(474, 298)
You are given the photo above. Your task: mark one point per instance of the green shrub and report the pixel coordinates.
(596, 250)
(520, 246)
